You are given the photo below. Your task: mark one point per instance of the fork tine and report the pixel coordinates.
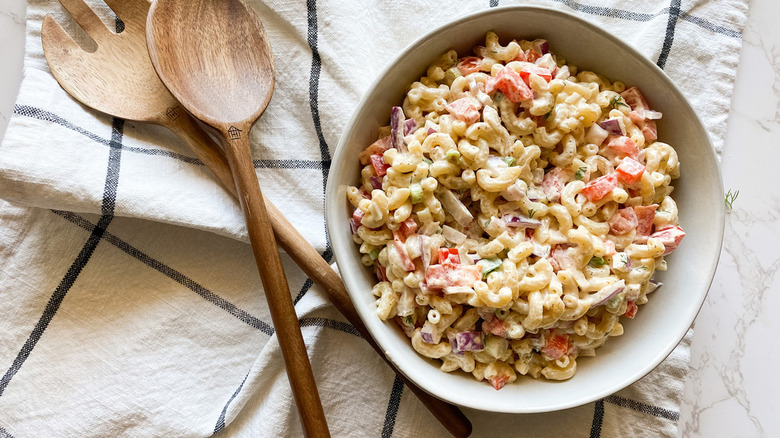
(54, 37)
(86, 18)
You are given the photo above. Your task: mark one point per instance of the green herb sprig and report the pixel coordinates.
(617, 101)
(730, 198)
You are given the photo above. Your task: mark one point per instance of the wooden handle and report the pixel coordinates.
(320, 272)
(269, 264)
(186, 127)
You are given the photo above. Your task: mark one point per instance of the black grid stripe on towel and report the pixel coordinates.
(210, 296)
(109, 201)
(41, 114)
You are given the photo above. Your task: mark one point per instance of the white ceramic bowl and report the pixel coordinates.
(660, 324)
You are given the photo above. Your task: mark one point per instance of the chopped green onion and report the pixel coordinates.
(597, 262)
(416, 193)
(489, 265)
(510, 161)
(427, 161)
(531, 213)
(580, 173)
(502, 314)
(453, 156)
(409, 320)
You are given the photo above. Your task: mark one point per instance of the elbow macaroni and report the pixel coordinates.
(497, 250)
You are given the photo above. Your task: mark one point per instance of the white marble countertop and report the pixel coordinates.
(730, 389)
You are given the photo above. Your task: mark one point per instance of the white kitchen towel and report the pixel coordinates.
(129, 305)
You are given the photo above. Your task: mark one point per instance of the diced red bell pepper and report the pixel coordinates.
(631, 309)
(600, 187)
(468, 65)
(449, 256)
(498, 382)
(495, 327)
(380, 167)
(610, 247)
(634, 98)
(438, 277)
(511, 84)
(357, 216)
(532, 55)
(557, 345)
(670, 236)
(464, 110)
(542, 72)
(377, 147)
(407, 228)
(645, 215)
(620, 147)
(401, 249)
(623, 221)
(630, 171)
(559, 258)
(553, 182)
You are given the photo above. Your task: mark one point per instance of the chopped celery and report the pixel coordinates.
(416, 193)
(597, 262)
(453, 156)
(489, 265)
(374, 254)
(510, 161)
(451, 74)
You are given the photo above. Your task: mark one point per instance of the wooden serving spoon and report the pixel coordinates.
(214, 57)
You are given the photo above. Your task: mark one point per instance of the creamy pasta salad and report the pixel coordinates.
(514, 210)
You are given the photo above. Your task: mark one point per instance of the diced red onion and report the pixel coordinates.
(513, 193)
(596, 135)
(519, 220)
(541, 46)
(425, 256)
(409, 126)
(396, 129)
(455, 207)
(353, 225)
(432, 131)
(466, 341)
(376, 182)
(607, 293)
(452, 235)
(426, 332)
(534, 194)
(612, 126)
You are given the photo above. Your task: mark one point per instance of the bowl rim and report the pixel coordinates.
(332, 212)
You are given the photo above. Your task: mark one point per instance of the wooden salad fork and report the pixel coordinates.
(119, 79)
